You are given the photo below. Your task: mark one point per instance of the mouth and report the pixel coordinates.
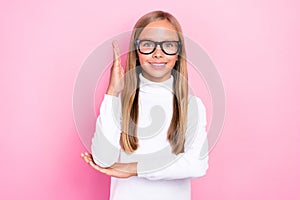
(158, 65)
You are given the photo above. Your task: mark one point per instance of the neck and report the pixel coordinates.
(155, 79)
(162, 87)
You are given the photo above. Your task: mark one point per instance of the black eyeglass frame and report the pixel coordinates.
(137, 43)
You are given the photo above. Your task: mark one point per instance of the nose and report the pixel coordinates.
(158, 52)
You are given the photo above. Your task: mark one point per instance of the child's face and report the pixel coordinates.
(157, 66)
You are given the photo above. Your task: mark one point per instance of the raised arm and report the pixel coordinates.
(105, 143)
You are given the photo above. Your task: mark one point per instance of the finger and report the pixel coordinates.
(88, 155)
(116, 49)
(86, 159)
(83, 155)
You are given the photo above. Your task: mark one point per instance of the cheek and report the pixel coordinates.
(172, 60)
(142, 58)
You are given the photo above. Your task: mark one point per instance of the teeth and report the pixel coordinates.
(158, 65)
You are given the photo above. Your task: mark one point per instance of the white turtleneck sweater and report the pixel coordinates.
(161, 174)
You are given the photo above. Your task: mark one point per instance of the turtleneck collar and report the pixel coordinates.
(164, 87)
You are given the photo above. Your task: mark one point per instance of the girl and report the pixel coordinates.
(152, 148)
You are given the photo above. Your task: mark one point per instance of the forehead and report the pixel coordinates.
(159, 31)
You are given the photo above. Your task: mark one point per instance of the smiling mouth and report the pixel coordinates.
(157, 64)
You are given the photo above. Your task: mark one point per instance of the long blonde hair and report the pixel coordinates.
(130, 94)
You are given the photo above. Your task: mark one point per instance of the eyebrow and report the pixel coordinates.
(158, 41)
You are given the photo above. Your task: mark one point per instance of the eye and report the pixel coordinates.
(169, 44)
(147, 44)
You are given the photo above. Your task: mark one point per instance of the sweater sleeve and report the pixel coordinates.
(194, 161)
(105, 143)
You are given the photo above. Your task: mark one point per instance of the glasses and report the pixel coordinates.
(168, 47)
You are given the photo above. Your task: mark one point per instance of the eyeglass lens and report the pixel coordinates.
(148, 46)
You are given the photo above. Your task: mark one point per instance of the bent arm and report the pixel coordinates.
(194, 161)
(105, 143)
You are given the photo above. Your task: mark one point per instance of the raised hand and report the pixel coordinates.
(116, 82)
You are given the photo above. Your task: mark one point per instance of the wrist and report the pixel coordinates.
(110, 91)
(133, 167)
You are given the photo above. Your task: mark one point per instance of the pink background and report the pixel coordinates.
(254, 44)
